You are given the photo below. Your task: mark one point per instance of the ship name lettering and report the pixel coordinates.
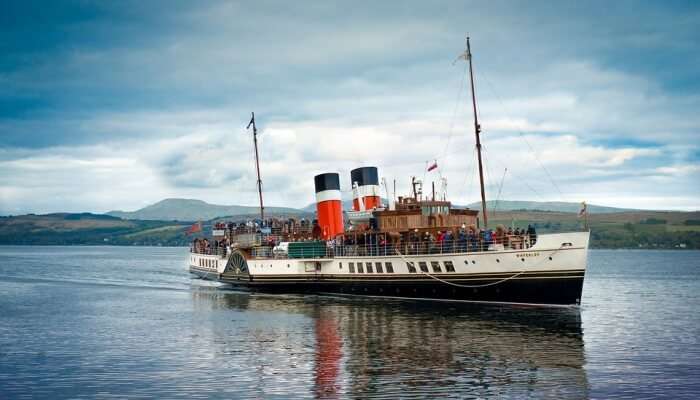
(530, 254)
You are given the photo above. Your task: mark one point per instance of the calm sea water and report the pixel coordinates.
(129, 322)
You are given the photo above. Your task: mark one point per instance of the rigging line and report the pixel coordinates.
(522, 135)
(523, 180)
(475, 173)
(469, 177)
(498, 197)
(470, 168)
(454, 111)
(488, 169)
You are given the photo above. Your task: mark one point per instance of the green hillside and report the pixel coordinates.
(632, 229)
(636, 229)
(89, 229)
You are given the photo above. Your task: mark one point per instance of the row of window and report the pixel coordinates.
(435, 265)
(207, 263)
(377, 267)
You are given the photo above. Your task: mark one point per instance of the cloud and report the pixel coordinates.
(109, 108)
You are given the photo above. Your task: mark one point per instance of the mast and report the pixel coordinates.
(257, 164)
(477, 130)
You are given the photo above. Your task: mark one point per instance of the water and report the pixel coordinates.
(113, 322)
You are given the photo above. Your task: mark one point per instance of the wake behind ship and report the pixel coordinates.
(417, 246)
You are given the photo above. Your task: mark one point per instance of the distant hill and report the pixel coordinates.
(89, 229)
(554, 206)
(631, 229)
(511, 205)
(194, 210)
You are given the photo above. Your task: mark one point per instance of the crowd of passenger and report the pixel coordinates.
(368, 242)
(466, 239)
(215, 247)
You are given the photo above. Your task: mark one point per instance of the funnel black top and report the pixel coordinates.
(365, 176)
(328, 181)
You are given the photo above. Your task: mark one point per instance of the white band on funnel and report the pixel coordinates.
(367, 191)
(326, 195)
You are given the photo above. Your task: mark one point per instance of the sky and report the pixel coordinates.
(117, 105)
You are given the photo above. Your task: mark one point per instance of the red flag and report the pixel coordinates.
(197, 227)
(432, 166)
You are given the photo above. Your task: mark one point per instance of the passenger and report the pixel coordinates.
(426, 245)
(499, 236)
(440, 241)
(462, 240)
(448, 241)
(382, 244)
(488, 238)
(471, 240)
(532, 234)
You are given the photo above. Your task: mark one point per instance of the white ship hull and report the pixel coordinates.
(549, 272)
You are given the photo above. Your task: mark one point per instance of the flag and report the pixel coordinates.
(197, 227)
(582, 211)
(432, 166)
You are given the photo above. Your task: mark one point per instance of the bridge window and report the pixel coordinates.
(423, 266)
(360, 268)
(378, 267)
(436, 266)
(449, 267)
(389, 267)
(351, 268)
(411, 267)
(369, 267)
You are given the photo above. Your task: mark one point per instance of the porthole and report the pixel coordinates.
(522, 259)
(473, 262)
(497, 260)
(550, 258)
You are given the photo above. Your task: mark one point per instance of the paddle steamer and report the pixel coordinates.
(419, 247)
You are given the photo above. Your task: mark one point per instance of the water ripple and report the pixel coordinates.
(110, 322)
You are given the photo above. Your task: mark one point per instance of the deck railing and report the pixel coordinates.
(262, 247)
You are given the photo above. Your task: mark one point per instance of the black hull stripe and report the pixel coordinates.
(428, 279)
(552, 290)
(380, 276)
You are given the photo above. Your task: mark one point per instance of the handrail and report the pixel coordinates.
(264, 247)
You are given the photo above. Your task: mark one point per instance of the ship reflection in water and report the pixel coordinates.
(357, 348)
